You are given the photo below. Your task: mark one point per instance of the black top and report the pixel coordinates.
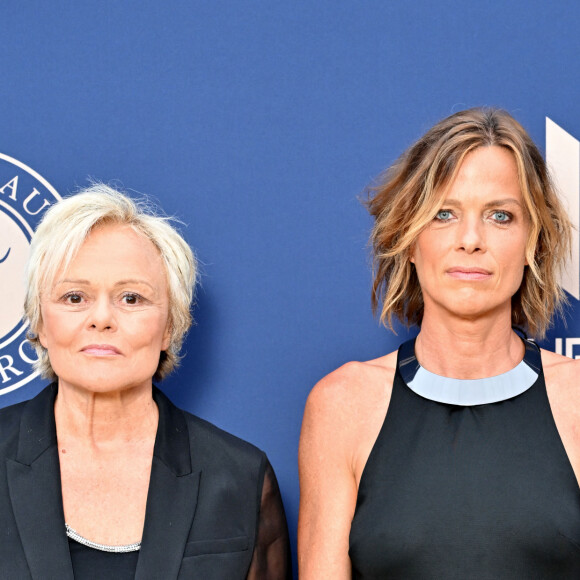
(456, 492)
(91, 564)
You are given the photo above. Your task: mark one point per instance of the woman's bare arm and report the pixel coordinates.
(563, 387)
(343, 416)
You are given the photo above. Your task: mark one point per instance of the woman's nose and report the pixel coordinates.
(471, 235)
(102, 315)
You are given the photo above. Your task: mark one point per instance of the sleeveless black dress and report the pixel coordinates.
(467, 492)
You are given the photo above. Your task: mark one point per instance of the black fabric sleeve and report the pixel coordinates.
(271, 559)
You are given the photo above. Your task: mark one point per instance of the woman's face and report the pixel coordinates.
(470, 260)
(105, 319)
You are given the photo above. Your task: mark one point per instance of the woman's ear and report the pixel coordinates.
(167, 337)
(41, 335)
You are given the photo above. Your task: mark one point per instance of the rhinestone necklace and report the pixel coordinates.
(74, 535)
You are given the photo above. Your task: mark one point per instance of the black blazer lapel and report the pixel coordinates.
(35, 491)
(172, 497)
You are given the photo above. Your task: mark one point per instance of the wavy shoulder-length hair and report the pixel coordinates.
(63, 230)
(411, 192)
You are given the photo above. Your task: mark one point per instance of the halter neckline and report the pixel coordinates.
(468, 392)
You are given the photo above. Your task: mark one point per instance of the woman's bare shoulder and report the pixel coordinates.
(562, 383)
(354, 383)
(561, 371)
(345, 410)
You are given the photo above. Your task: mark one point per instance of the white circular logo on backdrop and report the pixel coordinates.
(24, 197)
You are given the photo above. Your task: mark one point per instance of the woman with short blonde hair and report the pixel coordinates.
(52, 249)
(103, 477)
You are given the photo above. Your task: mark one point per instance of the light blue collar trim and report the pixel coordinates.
(468, 392)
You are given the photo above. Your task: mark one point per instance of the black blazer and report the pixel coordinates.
(204, 506)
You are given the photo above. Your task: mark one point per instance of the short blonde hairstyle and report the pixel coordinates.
(63, 230)
(411, 192)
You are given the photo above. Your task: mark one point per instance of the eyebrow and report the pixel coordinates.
(493, 203)
(84, 282)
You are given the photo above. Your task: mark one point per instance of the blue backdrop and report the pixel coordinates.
(259, 124)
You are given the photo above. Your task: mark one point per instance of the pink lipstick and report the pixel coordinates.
(101, 350)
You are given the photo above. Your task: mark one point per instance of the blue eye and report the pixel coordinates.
(444, 215)
(501, 216)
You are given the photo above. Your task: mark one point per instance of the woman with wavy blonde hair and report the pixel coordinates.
(457, 456)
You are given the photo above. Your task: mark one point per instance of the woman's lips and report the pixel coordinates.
(465, 273)
(101, 350)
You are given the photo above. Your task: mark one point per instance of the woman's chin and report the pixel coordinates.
(468, 308)
(105, 383)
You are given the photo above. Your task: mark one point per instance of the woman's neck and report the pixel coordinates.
(101, 418)
(468, 349)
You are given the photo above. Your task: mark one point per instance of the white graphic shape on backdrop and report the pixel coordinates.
(14, 249)
(563, 158)
(24, 198)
